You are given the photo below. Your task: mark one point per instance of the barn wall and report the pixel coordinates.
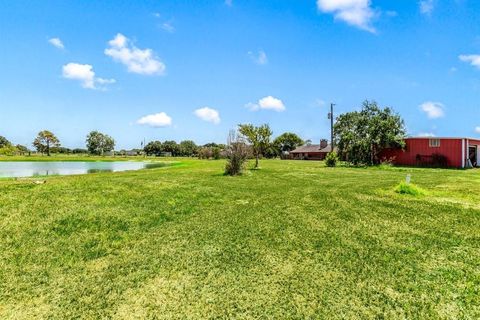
(450, 148)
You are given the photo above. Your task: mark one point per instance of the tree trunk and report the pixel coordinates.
(48, 148)
(256, 160)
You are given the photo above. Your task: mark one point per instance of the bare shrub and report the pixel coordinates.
(236, 154)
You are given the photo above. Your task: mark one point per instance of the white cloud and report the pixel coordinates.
(167, 26)
(208, 114)
(57, 43)
(477, 129)
(259, 58)
(105, 81)
(426, 134)
(137, 60)
(267, 103)
(85, 74)
(473, 59)
(433, 110)
(427, 6)
(252, 106)
(156, 120)
(357, 13)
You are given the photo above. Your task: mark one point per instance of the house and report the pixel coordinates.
(432, 151)
(311, 152)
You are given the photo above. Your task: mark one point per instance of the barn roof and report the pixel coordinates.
(312, 148)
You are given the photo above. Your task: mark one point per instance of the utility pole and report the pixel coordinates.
(331, 117)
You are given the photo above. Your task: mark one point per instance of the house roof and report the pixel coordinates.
(312, 148)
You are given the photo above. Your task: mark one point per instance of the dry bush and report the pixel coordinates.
(236, 153)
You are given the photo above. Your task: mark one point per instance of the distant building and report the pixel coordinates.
(312, 152)
(432, 151)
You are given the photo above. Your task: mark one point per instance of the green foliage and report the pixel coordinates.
(98, 143)
(44, 141)
(187, 148)
(61, 150)
(362, 135)
(286, 142)
(210, 152)
(22, 149)
(4, 142)
(8, 150)
(258, 137)
(153, 148)
(409, 188)
(217, 153)
(331, 159)
(171, 147)
(79, 151)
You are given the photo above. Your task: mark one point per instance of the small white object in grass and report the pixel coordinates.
(409, 178)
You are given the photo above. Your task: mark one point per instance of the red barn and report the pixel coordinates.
(448, 152)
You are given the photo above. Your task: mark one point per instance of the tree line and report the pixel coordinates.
(359, 136)
(47, 143)
(97, 143)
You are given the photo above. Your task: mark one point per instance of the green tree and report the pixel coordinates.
(8, 150)
(4, 142)
(331, 159)
(287, 142)
(188, 148)
(99, 143)
(22, 149)
(44, 141)
(172, 147)
(258, 137)
(79, 151)
(361, 135)
(153, 148)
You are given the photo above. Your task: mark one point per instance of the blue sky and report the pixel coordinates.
(195, 69)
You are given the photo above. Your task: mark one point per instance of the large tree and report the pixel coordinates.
(361, 135)
(44, 141)
(287, 142)
(188, 148)
(4, 142)
(258, 137)
(171, 146)
(153, 148)
(98, 143)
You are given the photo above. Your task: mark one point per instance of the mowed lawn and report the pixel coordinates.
(293, 240)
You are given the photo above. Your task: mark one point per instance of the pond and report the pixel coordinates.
(20, 169)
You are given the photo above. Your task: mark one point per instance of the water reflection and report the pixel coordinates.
(153, 165)
(11, 169)
(99, 170)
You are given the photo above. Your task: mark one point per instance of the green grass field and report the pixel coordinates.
(293, 240)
